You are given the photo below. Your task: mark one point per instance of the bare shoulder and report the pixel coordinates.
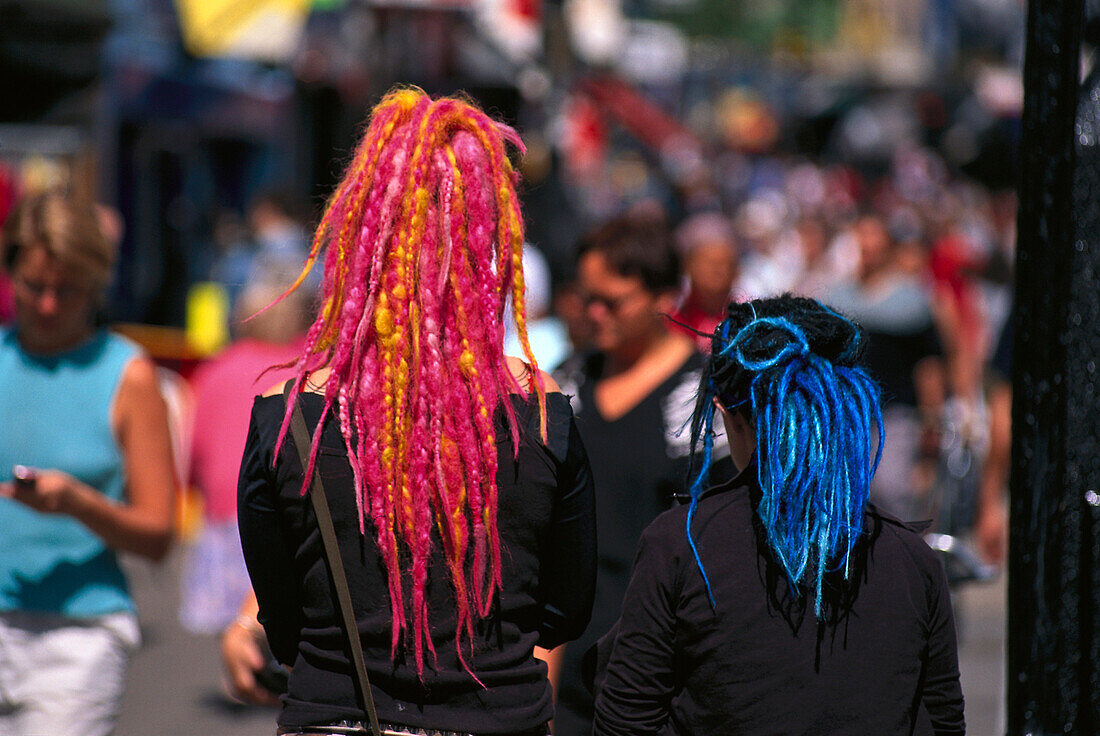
(315, 383)
(139, 381)
(548, 383)
(521, 371)
(274, 390)
(139, 401)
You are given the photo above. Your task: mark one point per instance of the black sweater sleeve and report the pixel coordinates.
(267, 550)
(636, 691)
(568, 582)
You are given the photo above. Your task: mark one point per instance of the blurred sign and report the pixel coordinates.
(515, 26)
(260, 30)
(597, 29)
(654, 52)
(207, 317)
(425, 4)
(643, 118)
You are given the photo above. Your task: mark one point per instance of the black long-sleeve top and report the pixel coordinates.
(548, 548)
(883, 661)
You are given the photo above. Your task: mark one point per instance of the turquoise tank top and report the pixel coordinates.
(55, 413)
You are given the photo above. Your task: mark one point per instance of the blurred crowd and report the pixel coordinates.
(918, 255)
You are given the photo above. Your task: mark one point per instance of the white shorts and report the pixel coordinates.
(61, 676)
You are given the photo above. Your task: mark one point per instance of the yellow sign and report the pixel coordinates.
(261, 30)
(207, 317)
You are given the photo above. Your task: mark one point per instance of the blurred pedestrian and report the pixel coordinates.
(457, 483)
(86, 430)
(9, 195)
(708, 250)
(955, 267)
(214, 579)
(632, 396)
(765, 258)
(232, 257)
(277, 231)
(779, 600)
(905, 356)
(822, 262)
(991, 512)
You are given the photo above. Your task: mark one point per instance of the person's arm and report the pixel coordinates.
(266, 554)
(930, 381)
(944, 342)
(143, 523)
(553, 659)
(242, 656)
(567, 586)
(942, 695)
(991, 525)
(930, 385)
(634, 695)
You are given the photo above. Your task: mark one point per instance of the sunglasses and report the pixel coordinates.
(612, 304)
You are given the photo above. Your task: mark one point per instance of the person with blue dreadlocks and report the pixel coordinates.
(780, 601)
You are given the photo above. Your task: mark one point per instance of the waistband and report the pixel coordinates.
(361, 728)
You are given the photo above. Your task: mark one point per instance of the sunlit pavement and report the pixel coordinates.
(980, 611)
(175, 680)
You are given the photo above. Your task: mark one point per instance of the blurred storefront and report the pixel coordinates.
(179, 111)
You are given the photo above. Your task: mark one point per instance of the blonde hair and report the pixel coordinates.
(284, 321)
(66, 228)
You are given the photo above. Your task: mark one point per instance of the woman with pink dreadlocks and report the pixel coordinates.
(457, 484)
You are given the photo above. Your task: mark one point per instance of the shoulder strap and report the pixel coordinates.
(335, 563)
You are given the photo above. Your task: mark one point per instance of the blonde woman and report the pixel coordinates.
(85, 436)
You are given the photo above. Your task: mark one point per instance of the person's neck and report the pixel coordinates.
(47, 349)
(628, 379)
(317, 380)
(708, 303)
(662, 346)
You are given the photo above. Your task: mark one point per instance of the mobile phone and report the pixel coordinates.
(23, 477)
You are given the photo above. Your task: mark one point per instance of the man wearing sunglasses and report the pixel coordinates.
(631, 396)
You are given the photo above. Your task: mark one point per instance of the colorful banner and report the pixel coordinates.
(260, 30)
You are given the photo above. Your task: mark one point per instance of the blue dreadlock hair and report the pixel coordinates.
(792, 360)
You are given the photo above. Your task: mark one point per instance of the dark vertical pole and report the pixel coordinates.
(1083, 371)
(1056, 413)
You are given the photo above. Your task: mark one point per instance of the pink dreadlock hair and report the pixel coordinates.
(424, 248)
